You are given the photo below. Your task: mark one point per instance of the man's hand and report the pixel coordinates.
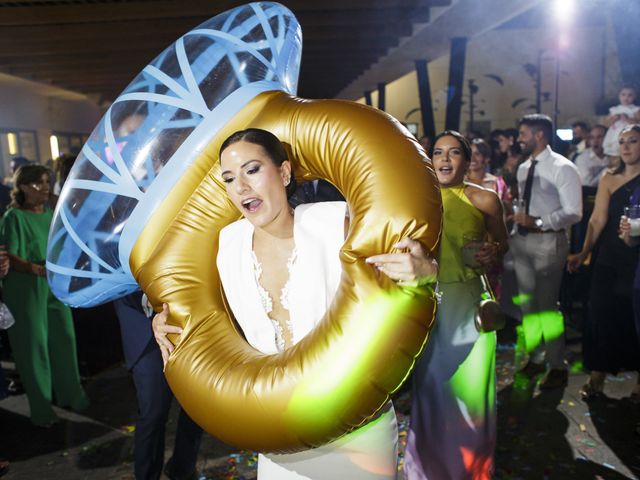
(160, 331)
(575, 261)
(525, 220)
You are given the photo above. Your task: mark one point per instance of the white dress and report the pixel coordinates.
(610, 143)
(371, 451)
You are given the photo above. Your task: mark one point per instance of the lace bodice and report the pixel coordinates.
(314, 275)
(267, 301)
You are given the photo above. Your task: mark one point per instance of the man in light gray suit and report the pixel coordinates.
(551, 203)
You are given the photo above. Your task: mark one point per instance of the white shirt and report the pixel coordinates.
(590, 167)
(556, 193)
(577, 150)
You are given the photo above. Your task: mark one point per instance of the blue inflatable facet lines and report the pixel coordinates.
(151, 134)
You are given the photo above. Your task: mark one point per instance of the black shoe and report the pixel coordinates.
(556, 378)
(48, 425)
(588, 392)
(15, 388)
(532, 369)
(195, 475)
(168, 471)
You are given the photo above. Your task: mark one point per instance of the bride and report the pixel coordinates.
(280, 269)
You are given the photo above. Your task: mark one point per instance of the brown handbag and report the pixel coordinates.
(489, 316)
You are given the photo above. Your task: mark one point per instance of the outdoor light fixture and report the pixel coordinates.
(12, 140)
(564, 10)
(55, 151)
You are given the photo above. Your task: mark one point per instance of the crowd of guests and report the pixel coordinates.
(545, 208)
(542, 191)
(513, 206)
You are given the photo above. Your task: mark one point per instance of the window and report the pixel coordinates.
(17, 143)
(70, 143)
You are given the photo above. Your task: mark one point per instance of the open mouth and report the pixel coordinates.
(445, 170)
(251, 204)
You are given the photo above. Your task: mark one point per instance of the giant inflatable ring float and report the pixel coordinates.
(145, 202)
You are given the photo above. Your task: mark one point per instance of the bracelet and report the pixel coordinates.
(497, 244)
(418, 282)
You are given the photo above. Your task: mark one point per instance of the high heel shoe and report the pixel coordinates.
(588, 392)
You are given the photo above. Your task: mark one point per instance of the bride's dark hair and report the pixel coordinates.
(267, 140)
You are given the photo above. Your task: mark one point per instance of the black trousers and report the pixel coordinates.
(154, 403)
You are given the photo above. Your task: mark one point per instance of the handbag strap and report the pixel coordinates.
(487, 293)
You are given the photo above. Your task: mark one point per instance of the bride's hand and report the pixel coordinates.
(160, 331)
(413, 267)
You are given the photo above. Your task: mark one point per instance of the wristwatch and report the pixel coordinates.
(538, 223)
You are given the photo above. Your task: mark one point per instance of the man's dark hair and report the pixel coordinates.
(580, 124)
(538, 122)
(599, 125)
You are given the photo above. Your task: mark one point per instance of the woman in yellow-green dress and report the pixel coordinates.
(42, 338)
(453, 416)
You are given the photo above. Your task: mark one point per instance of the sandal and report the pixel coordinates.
(589, 392)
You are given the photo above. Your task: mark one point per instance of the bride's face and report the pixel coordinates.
(255, 184)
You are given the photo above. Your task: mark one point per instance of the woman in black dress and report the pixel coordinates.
(610, 340)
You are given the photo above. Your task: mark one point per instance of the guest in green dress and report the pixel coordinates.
(42, 338)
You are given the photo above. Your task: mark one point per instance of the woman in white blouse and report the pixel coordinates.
(280, 270)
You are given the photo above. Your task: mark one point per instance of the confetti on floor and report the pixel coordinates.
(523, 451)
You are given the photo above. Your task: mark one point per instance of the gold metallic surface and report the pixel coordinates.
(342, 372)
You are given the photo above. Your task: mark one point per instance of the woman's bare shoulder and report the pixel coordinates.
(484, 199)
(482, 193)
(610, 181)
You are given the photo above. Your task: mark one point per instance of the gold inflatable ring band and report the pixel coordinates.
(342, 372)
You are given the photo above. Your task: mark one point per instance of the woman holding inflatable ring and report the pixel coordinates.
(453, 419)
(292, 253)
